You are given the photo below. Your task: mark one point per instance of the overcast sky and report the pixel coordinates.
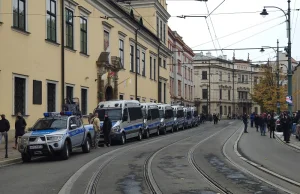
(195, 31)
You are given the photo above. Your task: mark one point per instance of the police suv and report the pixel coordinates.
(56, 133)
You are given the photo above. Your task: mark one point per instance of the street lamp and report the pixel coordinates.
(289, 49)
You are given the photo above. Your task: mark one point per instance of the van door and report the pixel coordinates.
(155, 120)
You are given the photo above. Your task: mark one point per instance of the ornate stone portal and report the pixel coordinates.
(104, 85)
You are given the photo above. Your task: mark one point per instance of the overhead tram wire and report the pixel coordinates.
(255, 34)
(213, 23)
(240, 31)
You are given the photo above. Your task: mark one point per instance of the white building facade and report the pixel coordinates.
(181, 71)
(224, 86)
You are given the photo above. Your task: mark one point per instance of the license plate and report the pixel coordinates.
(36, 147)
(38, 152)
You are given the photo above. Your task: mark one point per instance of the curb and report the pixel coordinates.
(288, 144)
(258, 166)
(10, 162)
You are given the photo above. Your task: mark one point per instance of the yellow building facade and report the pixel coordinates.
(98, 62)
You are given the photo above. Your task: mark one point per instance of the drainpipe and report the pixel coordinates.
(62, 11)
(136, 64)
(158, 71)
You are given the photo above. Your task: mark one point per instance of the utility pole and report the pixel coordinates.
(289, 55)
(277, 66)
(62, 25)
(209, 86)
(233, 99)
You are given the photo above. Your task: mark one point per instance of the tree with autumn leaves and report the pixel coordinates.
(265, 92)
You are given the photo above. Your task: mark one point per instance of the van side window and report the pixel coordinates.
(155, 113)
(169, 114)
(135, 113)
(125, 112)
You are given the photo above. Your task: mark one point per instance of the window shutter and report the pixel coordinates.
(37, 92)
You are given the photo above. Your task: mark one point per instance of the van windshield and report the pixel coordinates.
(114, 114)
(161, 114)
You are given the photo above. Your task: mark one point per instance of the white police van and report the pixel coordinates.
(188, 120)
(56, 133)
(151, 119)
(126, 117)
(167, 117)
(179, 116)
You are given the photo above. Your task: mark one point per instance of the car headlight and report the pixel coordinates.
(116, 129)
(54, 138)
(24, 140)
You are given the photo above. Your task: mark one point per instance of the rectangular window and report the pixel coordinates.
(20, 95)
(150, 67)
(121, 51)
(165, 98)
(229, 77)
(191, 75)
(121, 97)
(179, 88)
(229, 95)
(185, 92)
(154, 69)
(185, 72)
(19, 14)
(157, 26)
(246, 79)
(179, 67)
(220, 76)
(243, 78)
(51, 20)
(204, 75)
(143, 64)
(164, 33)
(132, 58)
(83, 35)
(239, 77)
(51, 97)
(204, 93)
(37, 92)
(220, 94)
(138, 67)
(84, 99)
(164, 64)
(69, 29)
(69, 93)
(160, 31)
(159, 92)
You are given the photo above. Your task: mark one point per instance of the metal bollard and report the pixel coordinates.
(6, 142)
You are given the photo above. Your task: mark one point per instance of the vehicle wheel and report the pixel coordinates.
(158, 132)
(86, 147)
(172, 130)
(139, 137)
(147, 135)
(123, 139)
(26, 158)
(65, 153)
(165, 131)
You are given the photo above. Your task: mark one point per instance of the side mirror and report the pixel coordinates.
(73, 126)
(125, 118)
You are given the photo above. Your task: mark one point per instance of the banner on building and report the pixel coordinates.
(289, 99)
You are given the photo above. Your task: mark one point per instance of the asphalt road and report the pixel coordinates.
(168, 164)
(271, 154)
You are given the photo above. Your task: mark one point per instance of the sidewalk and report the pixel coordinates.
(295, 143)
(13, 155)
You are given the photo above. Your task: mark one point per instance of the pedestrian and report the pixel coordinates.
(256, 122)
(106, 130)
(215, 117)
(97, 127)
(4, 127)
(245, 121)
(268, 122)
(272, 122)
(20, 126)
(285, 124)
(252, 116)
(262, 122)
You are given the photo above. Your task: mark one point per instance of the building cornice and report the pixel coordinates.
(84, 10)
(139, 44)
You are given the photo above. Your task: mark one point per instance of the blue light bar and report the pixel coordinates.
(51, 114)
(67, 113)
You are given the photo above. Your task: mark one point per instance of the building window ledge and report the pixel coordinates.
(20, 30)
(84, 54)
(52, 42)
(70, 49)
(22, 115)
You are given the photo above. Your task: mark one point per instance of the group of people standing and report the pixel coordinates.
(263, 122)
(20, 125)
(105, 129)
